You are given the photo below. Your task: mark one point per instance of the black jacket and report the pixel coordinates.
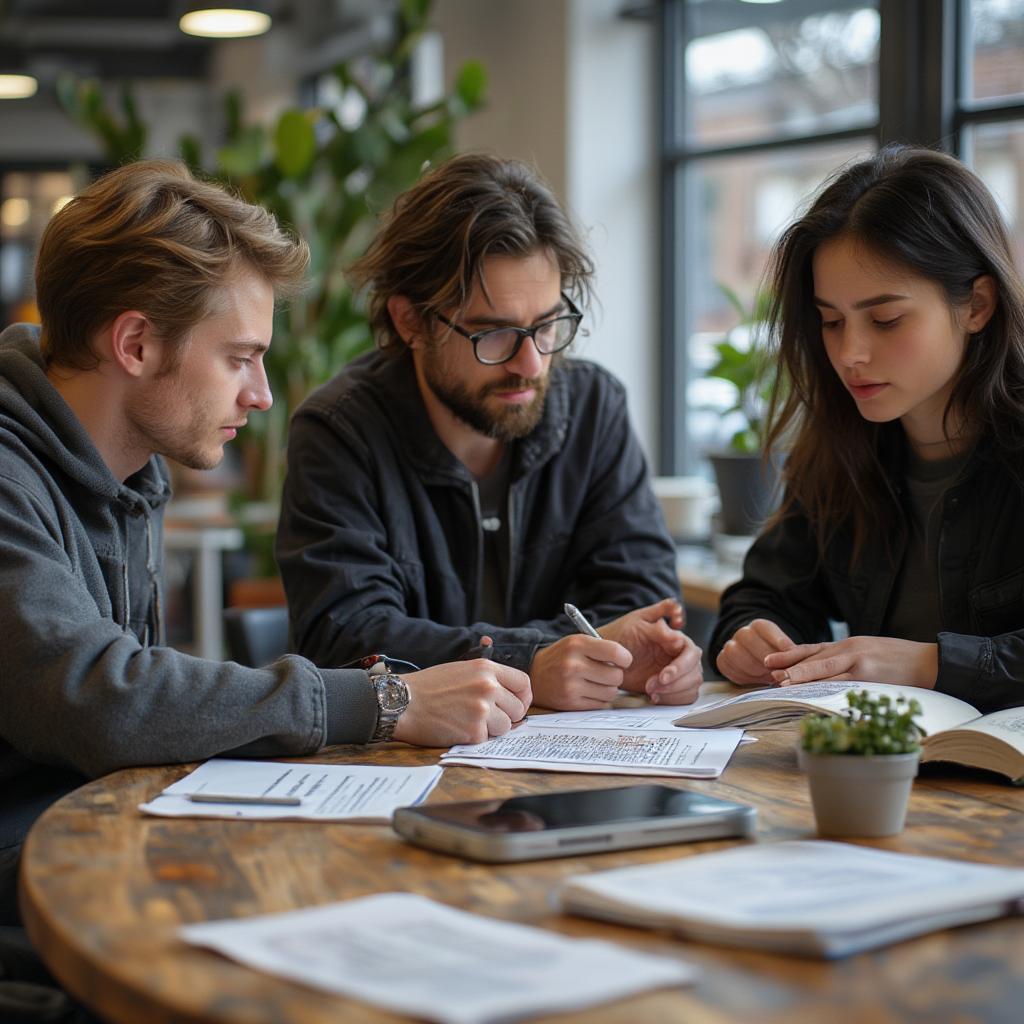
(380, 543)
(980, 574)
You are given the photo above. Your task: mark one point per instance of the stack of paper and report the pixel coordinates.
(616, 747)
(303, 790)
(813, 898)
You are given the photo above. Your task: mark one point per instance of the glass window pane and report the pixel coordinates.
(994, 49)
(997, 154)
(760, 70)
(735, 208)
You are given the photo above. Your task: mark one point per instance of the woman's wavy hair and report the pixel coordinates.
(432, 245)
(926, 213)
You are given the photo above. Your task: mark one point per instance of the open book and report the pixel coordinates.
(809, 897)
(955, 731)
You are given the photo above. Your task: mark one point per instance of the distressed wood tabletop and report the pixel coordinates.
(104, 890)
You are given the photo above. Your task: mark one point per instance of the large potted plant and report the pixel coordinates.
(325, 171)
(861, 765)
(747, 480)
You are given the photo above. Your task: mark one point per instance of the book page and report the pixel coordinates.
(994, 742)
(1007, 725)
(696, 753)
(782, 704)
(326, 792)
(413, 956)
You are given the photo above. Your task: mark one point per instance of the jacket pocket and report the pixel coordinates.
(998, 606)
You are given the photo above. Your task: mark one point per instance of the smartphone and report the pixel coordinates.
(570, 823)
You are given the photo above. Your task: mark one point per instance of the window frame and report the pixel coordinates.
(920, 99)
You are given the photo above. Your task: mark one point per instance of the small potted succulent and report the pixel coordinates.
(861, 764)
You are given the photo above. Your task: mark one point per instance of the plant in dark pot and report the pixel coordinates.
(861, 764)
(748, 483)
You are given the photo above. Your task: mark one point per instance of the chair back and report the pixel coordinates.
(256, 636)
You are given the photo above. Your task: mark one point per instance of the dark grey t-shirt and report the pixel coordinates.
(914, 612)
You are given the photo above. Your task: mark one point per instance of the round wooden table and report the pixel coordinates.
(104, 890)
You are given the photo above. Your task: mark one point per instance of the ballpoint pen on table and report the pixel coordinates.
(228, 798)
(579, 621)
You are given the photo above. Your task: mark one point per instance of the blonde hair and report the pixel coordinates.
(150, 236)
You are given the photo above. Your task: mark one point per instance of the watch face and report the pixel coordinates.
(392, 694)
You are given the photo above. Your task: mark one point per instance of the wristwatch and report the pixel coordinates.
(392, 700)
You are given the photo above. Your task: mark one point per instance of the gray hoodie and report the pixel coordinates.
(85, 684)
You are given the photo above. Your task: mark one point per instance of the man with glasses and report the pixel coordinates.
(448, 493)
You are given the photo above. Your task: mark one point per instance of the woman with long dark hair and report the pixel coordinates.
(898, 323)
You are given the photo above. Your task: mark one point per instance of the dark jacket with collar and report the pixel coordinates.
(980, 581)
(380, 543)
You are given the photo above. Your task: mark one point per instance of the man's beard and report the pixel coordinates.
(505, 424)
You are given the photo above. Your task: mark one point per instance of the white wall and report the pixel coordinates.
(523, 46)
(612, 184)
(572, 90)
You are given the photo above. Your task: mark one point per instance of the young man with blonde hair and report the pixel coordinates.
(156, 293)
(466, 478)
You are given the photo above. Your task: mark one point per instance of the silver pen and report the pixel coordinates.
(229, 798)
(579, 621)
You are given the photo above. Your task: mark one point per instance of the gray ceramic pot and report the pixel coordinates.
(853, 795)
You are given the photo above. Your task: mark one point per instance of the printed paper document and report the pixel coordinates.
(328, 792)
(413, 956)
(652, 716)
(690, 753)
(810, 897)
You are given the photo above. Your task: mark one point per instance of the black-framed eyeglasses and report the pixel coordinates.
(500, 344)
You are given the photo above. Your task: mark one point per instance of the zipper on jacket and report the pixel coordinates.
(478, 582)
(511, 524)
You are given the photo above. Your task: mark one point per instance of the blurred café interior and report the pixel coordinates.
(683, 134)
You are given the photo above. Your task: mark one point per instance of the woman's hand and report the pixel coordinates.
(743, 659)
(869, 659)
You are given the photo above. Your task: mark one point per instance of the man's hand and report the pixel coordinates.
(743, 659)
(462, 702)
(870, 659)
(578, 673)
(665, 661)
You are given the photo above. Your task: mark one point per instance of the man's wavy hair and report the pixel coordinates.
(151, 237)
(432, 244)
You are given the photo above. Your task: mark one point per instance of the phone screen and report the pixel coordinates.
(548, 811)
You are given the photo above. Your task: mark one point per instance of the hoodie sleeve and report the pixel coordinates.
(77, 690)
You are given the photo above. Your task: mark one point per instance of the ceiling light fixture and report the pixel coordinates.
(223, 22)
(17, 87)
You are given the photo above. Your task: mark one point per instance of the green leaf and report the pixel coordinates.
(414, 13)
(471, 84)
(191, 152)
(294, 143)
(242, 157)
(232, 114)
(371, 143)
